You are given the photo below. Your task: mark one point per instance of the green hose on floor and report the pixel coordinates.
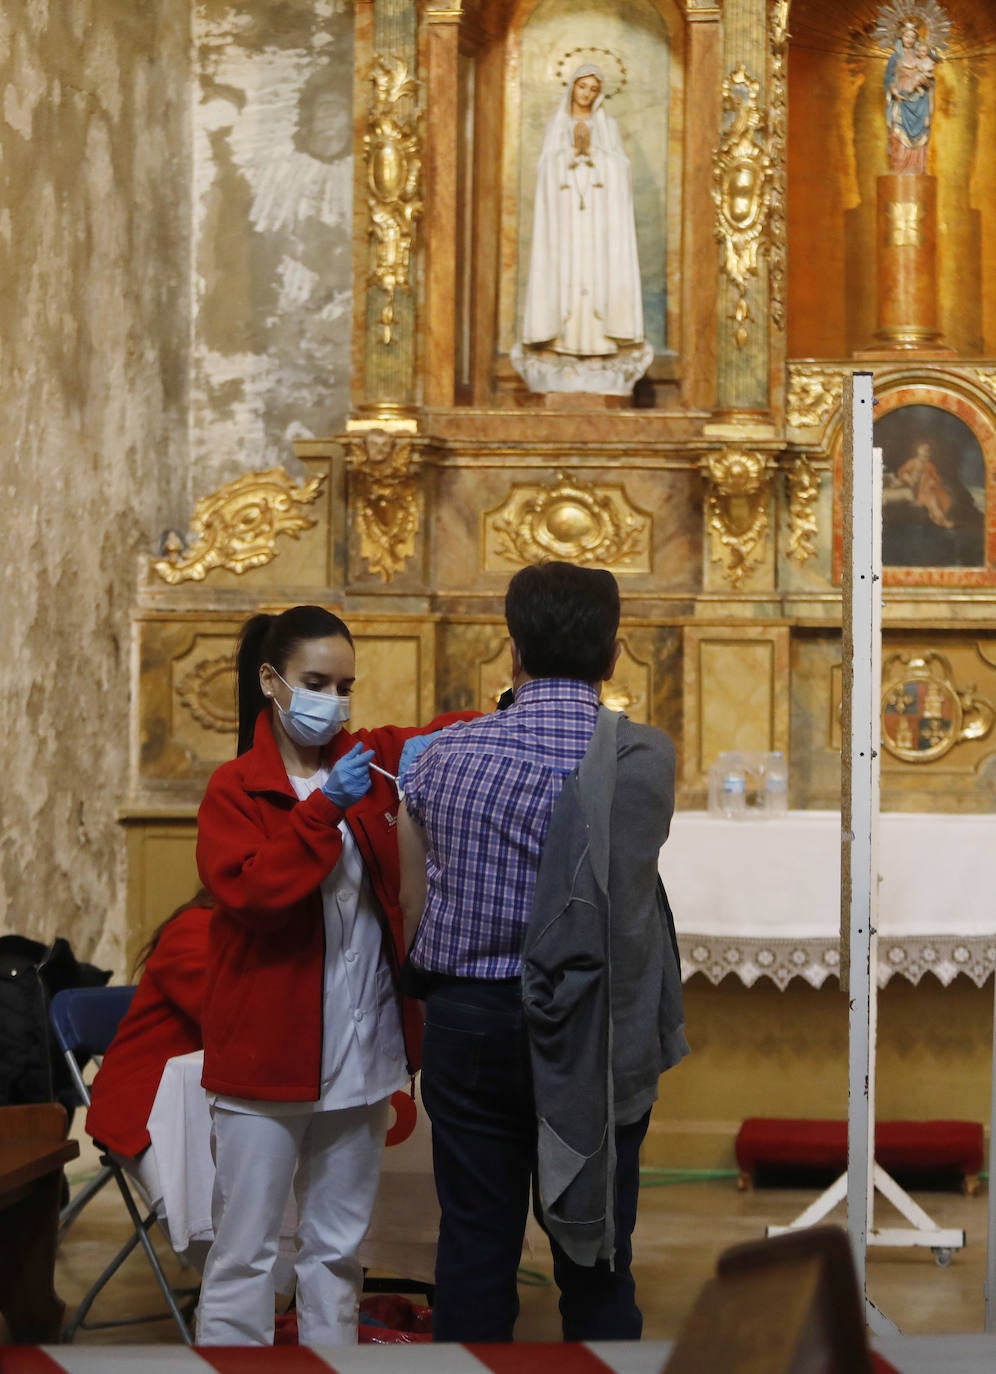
(660, 1178)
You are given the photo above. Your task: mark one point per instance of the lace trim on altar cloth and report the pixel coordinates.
(909, 957)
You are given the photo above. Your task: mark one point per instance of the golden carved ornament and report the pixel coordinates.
(803, 490)
(383, 498)
(236, 527)
(905, 224)
(574, 521)
(206, 692)
(394, 169)
(924, 713)
(742, 189)
(813, 392)
(629, 688)
(739, 494)
(778, 37)
(987, 379)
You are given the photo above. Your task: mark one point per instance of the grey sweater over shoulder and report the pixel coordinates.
(601, 975)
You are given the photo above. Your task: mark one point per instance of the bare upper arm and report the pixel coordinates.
(411, 851)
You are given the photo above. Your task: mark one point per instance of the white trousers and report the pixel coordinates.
(337, 1157)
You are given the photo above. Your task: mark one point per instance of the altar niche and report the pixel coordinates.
(890, 137)
(496, 86)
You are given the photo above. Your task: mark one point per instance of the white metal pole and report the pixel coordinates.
(862, 645)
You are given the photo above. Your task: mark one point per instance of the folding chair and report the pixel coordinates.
(85, 1021)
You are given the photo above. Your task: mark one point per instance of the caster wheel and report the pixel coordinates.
(942, 1256)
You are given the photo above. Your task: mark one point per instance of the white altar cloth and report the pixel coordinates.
(405, 1222)
(761, 897)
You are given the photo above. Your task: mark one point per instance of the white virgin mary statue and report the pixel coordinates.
(583, 296)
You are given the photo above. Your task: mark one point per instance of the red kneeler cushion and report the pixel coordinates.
(901, 1147)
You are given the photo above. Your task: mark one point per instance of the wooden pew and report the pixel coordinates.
(784, 1306)
(33, 1151)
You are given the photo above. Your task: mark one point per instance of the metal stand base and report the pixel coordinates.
(926, 1234)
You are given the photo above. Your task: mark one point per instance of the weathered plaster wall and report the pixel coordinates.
(175, 211)
(273, 223)
(94, 327)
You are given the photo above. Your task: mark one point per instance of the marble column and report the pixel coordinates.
(387, 152)
(743, 338)
(906, 234)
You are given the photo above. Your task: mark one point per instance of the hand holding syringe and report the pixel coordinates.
(384, 773)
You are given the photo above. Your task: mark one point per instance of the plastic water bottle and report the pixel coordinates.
(733, 788)
(775, 785)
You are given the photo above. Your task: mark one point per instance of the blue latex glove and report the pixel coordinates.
(350, 778)
(410, 751)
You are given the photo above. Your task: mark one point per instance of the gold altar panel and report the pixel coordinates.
(836, 151)
(586, 522)
(186, 719)
(491, 520)
(816, 686)
(962, 779)
(391, 673)
(646, 684)
(162, 872)
(186, 702)
(736, 694)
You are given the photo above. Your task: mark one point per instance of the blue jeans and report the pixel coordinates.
(477, 1088)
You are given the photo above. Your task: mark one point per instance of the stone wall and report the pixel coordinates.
(175, 307)
(272, 193)
(94, 291)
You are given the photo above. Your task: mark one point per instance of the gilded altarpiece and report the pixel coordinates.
(756, 140)
(753, 134)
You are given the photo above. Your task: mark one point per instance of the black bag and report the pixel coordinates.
(32, 1068)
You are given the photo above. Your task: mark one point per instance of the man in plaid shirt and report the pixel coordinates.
(477, 806)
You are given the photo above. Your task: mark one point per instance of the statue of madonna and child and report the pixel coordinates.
(915, 34)
(582, 326)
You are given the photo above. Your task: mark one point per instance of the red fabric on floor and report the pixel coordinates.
(900, 1146)
(882, 1366)
(399, 1322)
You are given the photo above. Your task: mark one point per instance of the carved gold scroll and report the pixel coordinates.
(384, 498)
(742, 189)
(572, 519)
(813, 392)
(803, 490)
(778, 149)
(236, 527)
(394, 168)
(739, 485)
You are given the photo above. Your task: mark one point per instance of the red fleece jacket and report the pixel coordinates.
(164, 1019)
(262, 855)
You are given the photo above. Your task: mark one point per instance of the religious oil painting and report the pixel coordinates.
(938, 454)
(933, 490)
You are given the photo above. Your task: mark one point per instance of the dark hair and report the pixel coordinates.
(272, 639)
(201, 898)
(563, 620)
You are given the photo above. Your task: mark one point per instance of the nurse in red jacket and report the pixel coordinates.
(302, 1027)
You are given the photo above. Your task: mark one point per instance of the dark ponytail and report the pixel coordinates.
(272, 639)
(201, 898)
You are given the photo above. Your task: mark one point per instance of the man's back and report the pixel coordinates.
(483, 795)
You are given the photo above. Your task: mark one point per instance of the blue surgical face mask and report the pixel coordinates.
(312, 718)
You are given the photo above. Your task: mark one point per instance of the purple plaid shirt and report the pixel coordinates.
(483, 793)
